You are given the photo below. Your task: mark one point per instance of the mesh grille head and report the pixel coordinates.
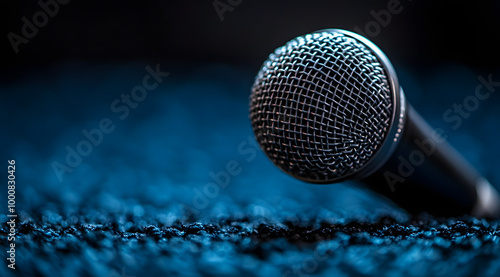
(321, 106)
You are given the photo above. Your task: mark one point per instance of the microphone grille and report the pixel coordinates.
(321, 106)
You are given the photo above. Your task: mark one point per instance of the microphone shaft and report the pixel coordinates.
(425, 174)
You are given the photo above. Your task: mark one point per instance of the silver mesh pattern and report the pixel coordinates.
(321, 106)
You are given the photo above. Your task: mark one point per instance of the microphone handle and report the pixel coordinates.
(425, 174)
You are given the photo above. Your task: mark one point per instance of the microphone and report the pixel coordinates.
(327, 107)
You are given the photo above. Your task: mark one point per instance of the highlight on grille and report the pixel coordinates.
(321, 106)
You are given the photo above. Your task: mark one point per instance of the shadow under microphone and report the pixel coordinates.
(327, 107)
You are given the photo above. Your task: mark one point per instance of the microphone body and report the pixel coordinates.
(327, 107)
(425, 174)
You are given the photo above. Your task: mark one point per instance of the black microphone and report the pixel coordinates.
(327, 107)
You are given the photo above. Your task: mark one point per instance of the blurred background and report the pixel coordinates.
(87, 54)
(60, 76)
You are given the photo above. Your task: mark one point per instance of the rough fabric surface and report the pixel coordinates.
(99, 244)
(180, 188)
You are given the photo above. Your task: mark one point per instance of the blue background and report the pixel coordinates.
(153, 167)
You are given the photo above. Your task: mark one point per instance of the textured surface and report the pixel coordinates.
(138, 243)
(321, 106)
(143, 202)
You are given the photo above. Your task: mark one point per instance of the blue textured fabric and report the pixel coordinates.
(179, 187)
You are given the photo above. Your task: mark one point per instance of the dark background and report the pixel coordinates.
(423, 34)
(150, 168)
